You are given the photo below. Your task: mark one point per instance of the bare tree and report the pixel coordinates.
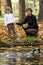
(40, 18)
(21, 10)
(8, 3)
(0, 7)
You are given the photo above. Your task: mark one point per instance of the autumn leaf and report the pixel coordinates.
(4, 33)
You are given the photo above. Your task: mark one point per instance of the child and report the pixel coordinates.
(9, 21)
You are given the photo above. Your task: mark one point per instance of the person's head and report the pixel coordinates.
(29, 11)
(7, 10)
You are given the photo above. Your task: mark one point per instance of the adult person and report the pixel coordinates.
(32, 28)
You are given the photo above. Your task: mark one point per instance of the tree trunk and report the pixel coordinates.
(0, 12)
(8, 3)
(40, 18)
(0, 7)
(21, 10)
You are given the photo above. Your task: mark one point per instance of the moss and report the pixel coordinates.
(31, 39)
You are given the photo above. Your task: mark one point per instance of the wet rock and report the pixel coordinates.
(2, 44)
(14, 44)
(37, 43)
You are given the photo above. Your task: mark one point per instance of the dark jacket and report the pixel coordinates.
(32, 22)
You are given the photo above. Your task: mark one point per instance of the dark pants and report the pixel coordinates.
(31, 31)
(11, 28)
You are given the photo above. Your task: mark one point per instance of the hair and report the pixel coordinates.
(29, 9)
(7, 9)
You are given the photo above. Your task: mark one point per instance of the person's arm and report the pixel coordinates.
(13, 18)
(21, 23)
(25, 21)
(5, 20)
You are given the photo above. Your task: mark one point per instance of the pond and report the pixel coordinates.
(21, 56)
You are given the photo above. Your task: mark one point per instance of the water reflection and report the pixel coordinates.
(21, 58)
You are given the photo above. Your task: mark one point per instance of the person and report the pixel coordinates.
(9, 21)
(32, 28)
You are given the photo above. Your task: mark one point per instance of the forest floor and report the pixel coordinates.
(20, 32)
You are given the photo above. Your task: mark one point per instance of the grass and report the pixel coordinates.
(28, 39)
(1, 21)
(31, 39)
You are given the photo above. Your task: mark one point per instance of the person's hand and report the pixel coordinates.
(15, 23)
(25, 25)
(3, 24)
